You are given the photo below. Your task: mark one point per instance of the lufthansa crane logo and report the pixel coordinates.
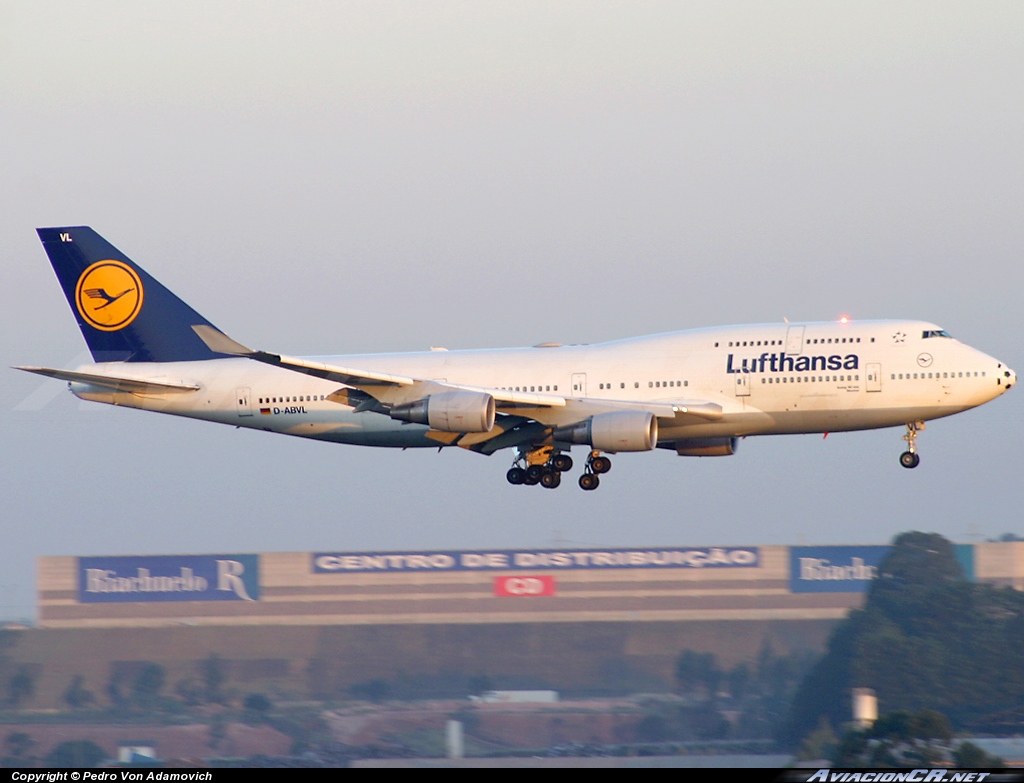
(109, 295)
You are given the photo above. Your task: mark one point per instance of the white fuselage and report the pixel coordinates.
(768, 379)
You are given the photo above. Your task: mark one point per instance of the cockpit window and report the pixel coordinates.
(935, 333)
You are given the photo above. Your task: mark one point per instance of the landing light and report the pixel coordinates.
(844, 319)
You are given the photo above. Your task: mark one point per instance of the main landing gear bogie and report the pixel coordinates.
(910, 458)
(543, 466)
(596, 464)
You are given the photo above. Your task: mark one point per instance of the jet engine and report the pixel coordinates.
(706, 447)
(454, 411)
(616, 431)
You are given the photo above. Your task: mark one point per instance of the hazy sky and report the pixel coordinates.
(347, 177)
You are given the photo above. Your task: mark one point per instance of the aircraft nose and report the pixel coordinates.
(1005, 377)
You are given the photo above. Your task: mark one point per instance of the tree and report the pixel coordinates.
(652, 728)
(925, 639)
(373, 690)
(257, 704)
(115, 685)
(695, 670)
(931, 725)
(479, 684)
(77, 696)
(76, 753)
(147, 683)
(901, 739)
(739, 681)
(189, 691)
(821, 743)
(970, 756)
(217, 732)
(214, 676)
(18, 745)
(20, 687)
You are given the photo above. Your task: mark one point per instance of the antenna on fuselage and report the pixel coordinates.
(785, 319)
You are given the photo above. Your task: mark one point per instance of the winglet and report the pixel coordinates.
(218, 342)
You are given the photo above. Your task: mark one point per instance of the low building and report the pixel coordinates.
(570, 619)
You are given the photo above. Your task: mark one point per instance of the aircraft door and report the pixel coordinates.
(874, 377)
(794, 340)
(743, 385)
(579, 384)
(244, 400)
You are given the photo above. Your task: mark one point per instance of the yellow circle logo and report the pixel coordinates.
(109, 295)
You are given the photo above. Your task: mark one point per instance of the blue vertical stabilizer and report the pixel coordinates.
(124, 314)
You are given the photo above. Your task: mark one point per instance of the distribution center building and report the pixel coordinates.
(568, 618)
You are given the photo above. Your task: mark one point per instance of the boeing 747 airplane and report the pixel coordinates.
(696, 392)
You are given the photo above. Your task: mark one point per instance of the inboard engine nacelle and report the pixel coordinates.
(454, 411)
(616, 431)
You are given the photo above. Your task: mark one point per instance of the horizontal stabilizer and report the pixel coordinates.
(111, 382)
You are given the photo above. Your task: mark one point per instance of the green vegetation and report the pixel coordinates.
(909, 739)
(214, 675)
(257, 703)
(742, 703)
(18, 750)
(377, 690)
(21, 687)
(925, 640)
(76, 753)
(77, 696)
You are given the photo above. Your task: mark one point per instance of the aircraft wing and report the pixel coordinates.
(367, 380)
(112, 382)
(694, 409)
(370, 386)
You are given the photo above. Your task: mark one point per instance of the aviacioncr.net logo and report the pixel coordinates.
(109, 295)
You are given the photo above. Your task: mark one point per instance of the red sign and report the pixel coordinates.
(523, 586)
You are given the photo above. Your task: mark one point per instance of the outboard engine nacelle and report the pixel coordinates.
(707, 447)
(616, 431)
(454, 411)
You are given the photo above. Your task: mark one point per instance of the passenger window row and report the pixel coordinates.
(808, 341)
(812, 379)
(907, 376)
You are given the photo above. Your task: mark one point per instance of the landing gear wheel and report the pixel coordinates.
(516, 476)
(551, 480)
(600, 464)
(589, 481)
(909, 459)
(561, 462)
(534, 473)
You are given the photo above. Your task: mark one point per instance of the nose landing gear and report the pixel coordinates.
(910, 458)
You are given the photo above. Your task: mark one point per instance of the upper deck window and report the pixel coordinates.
(935, 333)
